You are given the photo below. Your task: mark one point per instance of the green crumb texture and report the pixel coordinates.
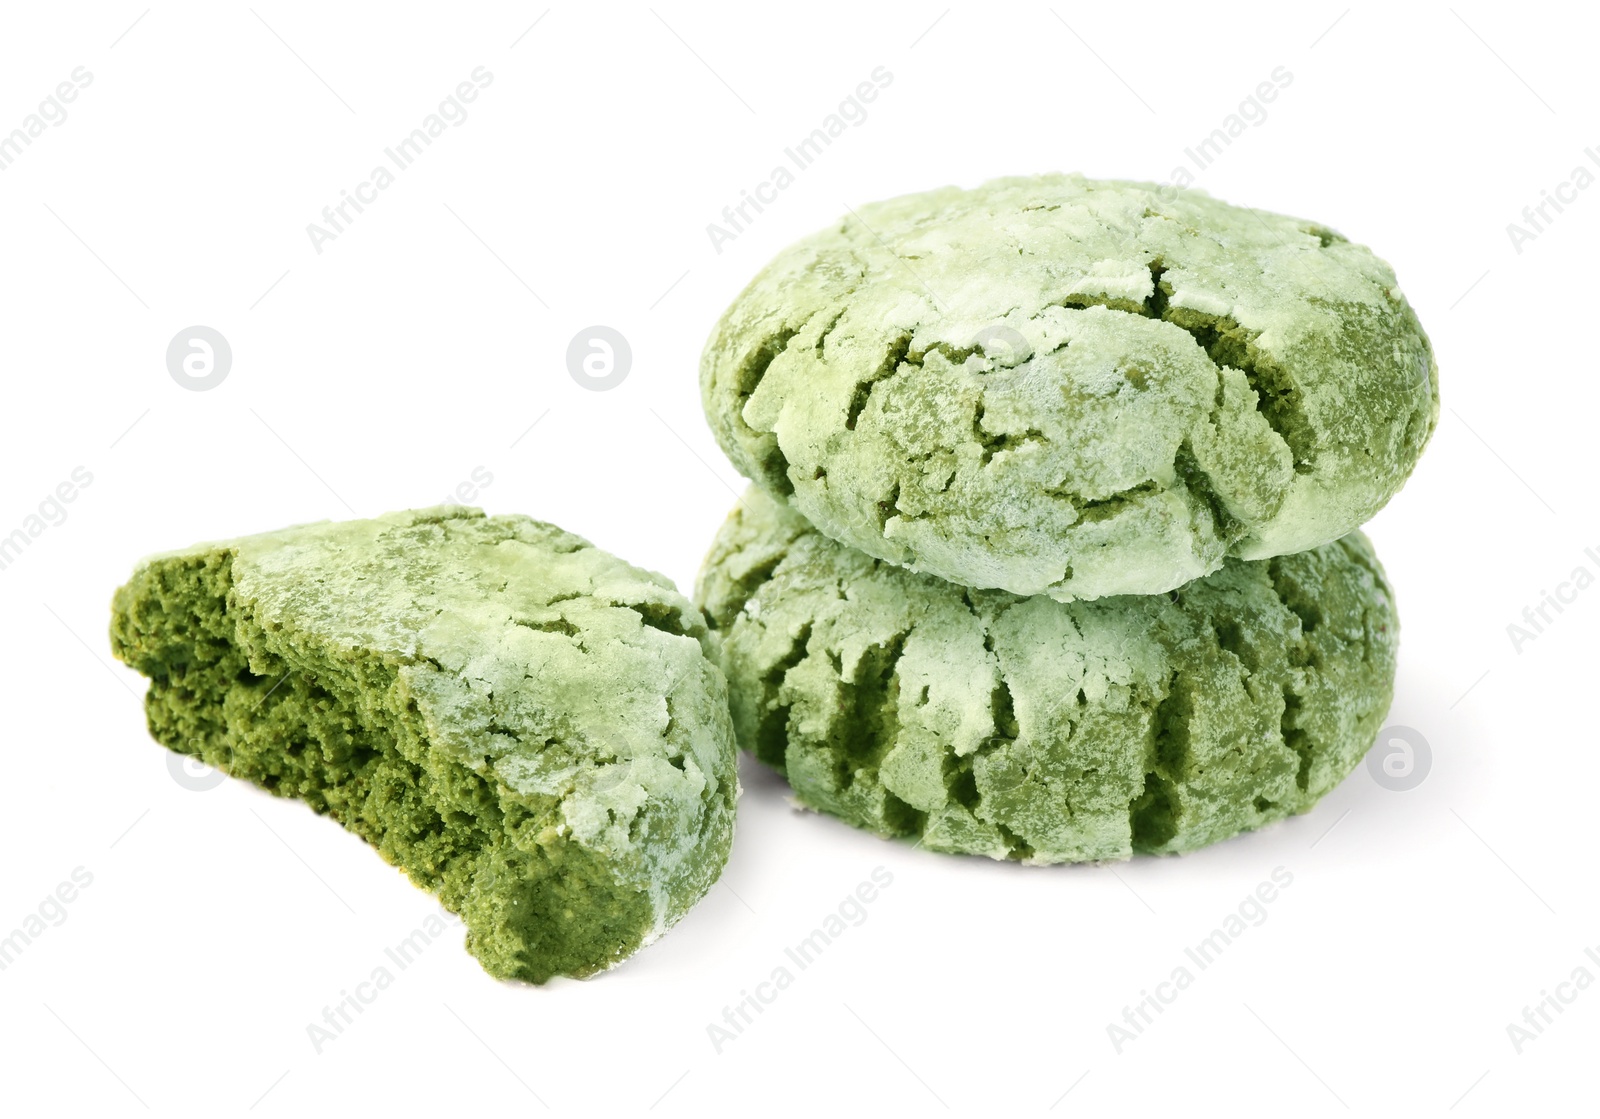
(1072, 387)
(984, 723)
(527, 726)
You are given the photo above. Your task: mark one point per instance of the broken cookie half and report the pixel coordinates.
(526, 725)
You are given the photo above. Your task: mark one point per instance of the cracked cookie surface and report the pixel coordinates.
(526, 725)
(1064, 386)
(985, 723)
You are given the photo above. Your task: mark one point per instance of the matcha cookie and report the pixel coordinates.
(524, 724)
(1030, 729)
(1061, 386)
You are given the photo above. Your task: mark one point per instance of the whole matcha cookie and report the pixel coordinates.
(1041, 731)
(527, 726)
(1062, 386)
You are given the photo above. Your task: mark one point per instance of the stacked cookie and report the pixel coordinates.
(1052, 553)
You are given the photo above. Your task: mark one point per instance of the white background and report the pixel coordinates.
(427, 338)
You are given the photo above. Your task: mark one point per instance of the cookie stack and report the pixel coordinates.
(1052, 552)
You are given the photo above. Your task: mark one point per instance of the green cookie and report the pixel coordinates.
(1060, 386)
(1041, 731)
(524, 724)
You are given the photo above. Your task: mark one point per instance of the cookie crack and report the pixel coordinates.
(1155, 304)
(1152, 814)
(1323, 234)
(743, 589)
(548, 625)
(1091, 510)
(889, 507)
(1301, 605)
(893, 359)
(1302, 654)
(772, 731)
(900, 356)
(769, 460)
(822, 336)
(1278, 398)
(747, 377)
(992, 443)
(659, 615)
(1296, 737)
(871, 710)
(1152, 306)
(1226, 343)
(1225, 526)
(960, 778)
